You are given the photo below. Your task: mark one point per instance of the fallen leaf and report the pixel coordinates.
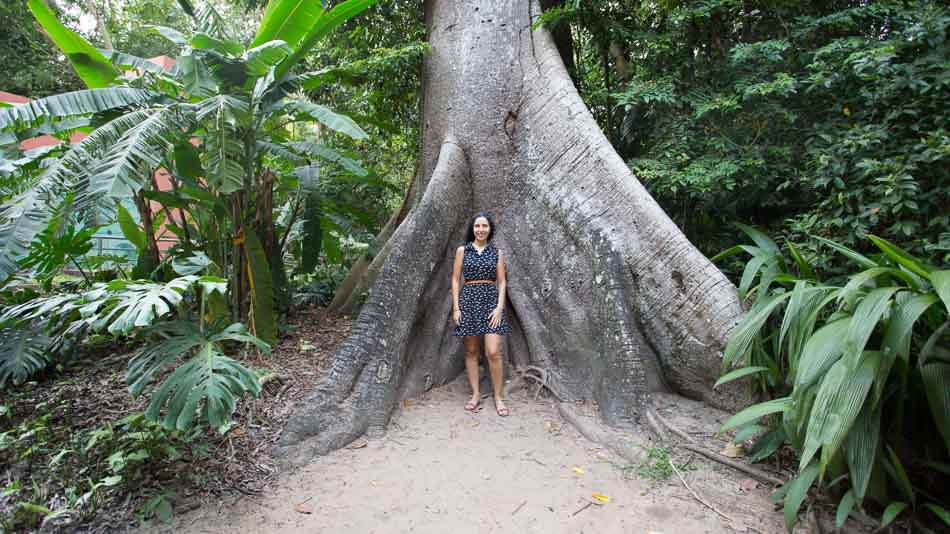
(578, 470)
(552, 426)
(304, 508)
(358, 444)
(600, 497)
(407, 403)
(733, 451)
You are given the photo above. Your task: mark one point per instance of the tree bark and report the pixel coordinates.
(605, 293)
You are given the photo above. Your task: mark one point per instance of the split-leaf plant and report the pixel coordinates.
(181, 325)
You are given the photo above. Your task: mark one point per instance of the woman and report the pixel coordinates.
(479, 305)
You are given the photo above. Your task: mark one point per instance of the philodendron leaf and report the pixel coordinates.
(208, 385)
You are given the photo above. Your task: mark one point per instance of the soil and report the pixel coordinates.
(92, 392)
(441, 469)
(438, 468)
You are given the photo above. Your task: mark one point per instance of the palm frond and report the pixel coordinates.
(178, 338)
(280, 151)
(287, 20)
(224, 151)
(839, 400)
(320, 28)
(72, 104)
(28, 213)
(92, 67)
(149, 136)
(211, 22)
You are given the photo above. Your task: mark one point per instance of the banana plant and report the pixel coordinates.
(218, 122)
(837, 359)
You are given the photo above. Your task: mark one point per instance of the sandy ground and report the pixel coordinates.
(440, 469)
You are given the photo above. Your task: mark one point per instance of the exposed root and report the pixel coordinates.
(595, 432)
(757, 474)
(655, 415)
(654, 425)
(544, 380)
(691, 445)
(271, 383)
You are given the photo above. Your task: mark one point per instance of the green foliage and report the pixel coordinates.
(55, 247)
(23, 353)
(658, 467)
(263, 320)
(222, 120)
(207, 385)
(856, 368)
(93, 68)
(30, 67)
(85, 467)
(805, 118)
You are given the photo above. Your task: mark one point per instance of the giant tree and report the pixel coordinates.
(606, 295)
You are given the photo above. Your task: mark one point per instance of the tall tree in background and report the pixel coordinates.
(605, 293)
(823, 118)
(31, 66)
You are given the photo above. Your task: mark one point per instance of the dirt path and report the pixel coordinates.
(440, 469)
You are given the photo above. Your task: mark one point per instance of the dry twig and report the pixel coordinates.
(698, 498)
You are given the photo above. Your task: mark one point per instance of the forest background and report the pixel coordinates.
(820, 124)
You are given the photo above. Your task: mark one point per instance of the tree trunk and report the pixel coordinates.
(604, 291)
(145, 215)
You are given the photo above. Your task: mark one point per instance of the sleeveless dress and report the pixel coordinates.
(476, 301)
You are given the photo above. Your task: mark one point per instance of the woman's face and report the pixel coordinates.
(482, 228)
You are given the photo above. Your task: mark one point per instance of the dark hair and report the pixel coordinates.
(470, 233)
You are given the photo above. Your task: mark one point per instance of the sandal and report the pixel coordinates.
(502, 411)
(472, 406)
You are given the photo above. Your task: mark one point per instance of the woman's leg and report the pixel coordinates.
(493, 354)
(471, 366)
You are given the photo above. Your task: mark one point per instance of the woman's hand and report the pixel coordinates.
(457, 316)
(494, 318)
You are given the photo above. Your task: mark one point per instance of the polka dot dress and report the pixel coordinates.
(476, 301)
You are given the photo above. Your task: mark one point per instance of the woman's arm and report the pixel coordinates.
(456, 278)
(494, 319)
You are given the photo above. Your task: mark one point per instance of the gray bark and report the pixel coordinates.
(605, 293)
